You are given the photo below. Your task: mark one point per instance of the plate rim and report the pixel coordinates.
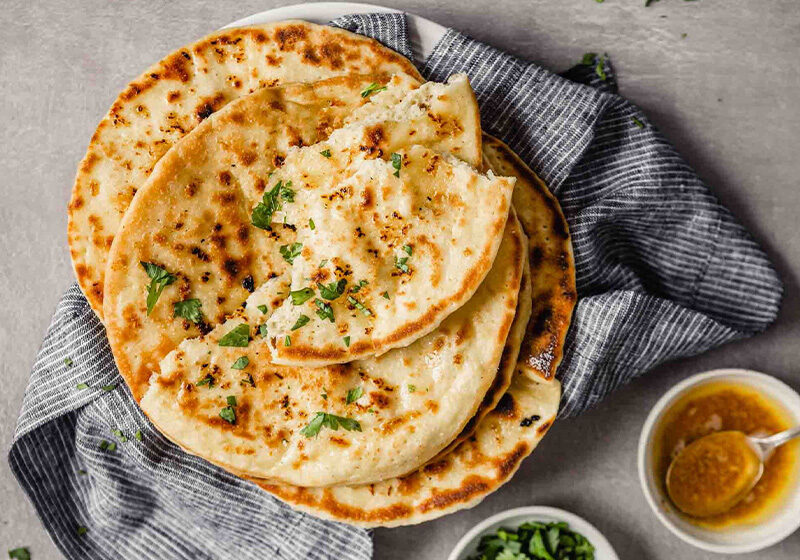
(576, 522)
(424, 34)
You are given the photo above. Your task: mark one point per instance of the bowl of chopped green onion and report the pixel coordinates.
(534, 533)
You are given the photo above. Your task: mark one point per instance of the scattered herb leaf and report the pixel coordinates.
(68, 362)
(159, 279)
(333, 290)
(353, 395)
(289, 252)
(331, 421)
(82, 386)
(301, 321)
(189, 309)
(324, 310)
(262, 308)
(241, 362)
(325, 153)
(239, 336)
(207, 380)
(397, 162)
(347, 341)
(358, 305)
(372, 88)
(299, 297)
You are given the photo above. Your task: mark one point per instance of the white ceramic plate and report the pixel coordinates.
(741, 539)
(423, 33)
(515, 517)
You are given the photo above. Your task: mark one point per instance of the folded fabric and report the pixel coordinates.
(663, 271)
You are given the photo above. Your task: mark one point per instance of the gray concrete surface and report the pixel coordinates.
(727, 93)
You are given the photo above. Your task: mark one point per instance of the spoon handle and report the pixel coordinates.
(780, 438)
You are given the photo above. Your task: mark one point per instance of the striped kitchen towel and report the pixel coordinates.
(663, 271)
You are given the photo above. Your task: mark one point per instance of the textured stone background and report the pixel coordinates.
(727, 94)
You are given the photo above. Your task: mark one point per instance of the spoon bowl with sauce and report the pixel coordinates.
(714, 473)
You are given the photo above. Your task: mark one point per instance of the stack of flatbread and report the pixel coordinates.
(317, 273)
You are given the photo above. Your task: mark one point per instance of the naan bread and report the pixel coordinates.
(411, 402)
(192, 217)
(550, 255)
(176, 94)
(511, 431)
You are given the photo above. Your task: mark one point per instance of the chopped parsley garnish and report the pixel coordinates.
(353, 395)
(358, 305)
(108, 446)
(397, 163)
(333, 290)
(322, 263)
(119, 435)
(241, 362)
(534, 540)
(400, 263)
(207, 380)
(21, 553)
(412, 388)
(108, 388)
(68, 362)
(262, 308)
(189, 309)
(248, 380)
(287, 341)
(138, 435)
(82, 531)
(324, 310)
(262, 330)
(357, 288)
(637, 122)
(299, 297)
(600, 68)
(407, 249)
(229, 412)
(159, 279)
(385, 295)
(331, 421)
(372, 88)
(239, 336)
(301, 321)
(271, 202)
(311, 224)
(324, 394)
(325, 153)
(289, 252)
(82, 386)
(347, 341)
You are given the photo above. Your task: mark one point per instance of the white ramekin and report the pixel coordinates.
(773, 529)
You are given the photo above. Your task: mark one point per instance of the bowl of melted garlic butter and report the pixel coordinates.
(726, 400)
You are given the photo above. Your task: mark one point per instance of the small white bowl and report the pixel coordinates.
(740, 539)
(514, 517)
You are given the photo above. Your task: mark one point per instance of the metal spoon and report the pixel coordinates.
(714, 473)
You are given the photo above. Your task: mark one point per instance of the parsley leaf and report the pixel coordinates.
(159, 279)
(400, 263)
(21, 553)
(241, 362)
(262, 308)
(372, 88)
(119, 435)
(81, 386)
(229, 412)
(138, 435)
(108, 388)
(412, 388)
(248, 381)
(397, 162)
(324, 310)
(358, 305)
(239, 336)
(189, 309)
(311, 224)
(289, 252)
(588, 58)
(82, 531)
(331, 421)
(347, 341)
(325, 153)
(299, 297)
(385, 295)
(262, 330)
(68, 362)
(333, 290)
(207, 380)
(637, 122)
(301, 321)
(407, 249)
(357, 288)
(353, 395)
(272, 200)
(287, 341)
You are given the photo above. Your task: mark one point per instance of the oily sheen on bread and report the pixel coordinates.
(408, 404)
(509, 433)
(179, 92)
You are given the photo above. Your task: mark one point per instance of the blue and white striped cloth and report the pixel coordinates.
(663, 271)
